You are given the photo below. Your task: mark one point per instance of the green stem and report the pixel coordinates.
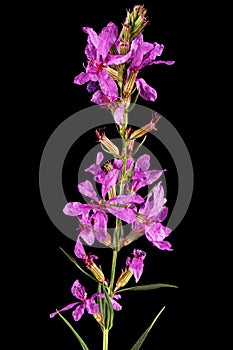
(105, 339)
(114, 259)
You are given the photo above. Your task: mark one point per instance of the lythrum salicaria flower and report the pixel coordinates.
(93, 216)
(143, 54)
(134, 267)
(136, 263)
(83, 303)
(151, 214)
(88, 260)
(99, 59)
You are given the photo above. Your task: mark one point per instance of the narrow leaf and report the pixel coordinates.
(101, 303)
(140, 341)
(110, 312)
(76, 264)
(139, 146)
(147, 287)
(81, 341)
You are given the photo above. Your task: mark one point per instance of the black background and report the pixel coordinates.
(56, 57)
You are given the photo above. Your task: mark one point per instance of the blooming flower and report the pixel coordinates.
(136, 264)
(84, 303)
(154, 212)
(95, 225)
(96, 170)
(144, 54)
(141, 175)
(99, 59)
(88, 260)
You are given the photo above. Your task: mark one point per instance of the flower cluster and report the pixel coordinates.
(115, 60)
(144, 215)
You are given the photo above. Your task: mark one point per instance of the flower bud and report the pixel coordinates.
(99, 318)
(108, 240)
(131, 237)
(96, 272)
(112, 73)
(129, 85)
(145, 129)
(139, 21)
(123, 279)
(108, 144)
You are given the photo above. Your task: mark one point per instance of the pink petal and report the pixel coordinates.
(68, 307)
(109, 181)
(100, 225)
(87, 189)
(124, 214)
(127, 199)
(78, 290)
(91, 306)
(146, 91)
(92, 35)
(106, 39)
(79, 250)
(78, 312)
(107, 84)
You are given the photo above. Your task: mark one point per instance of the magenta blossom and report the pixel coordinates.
(145, 54)
(93, 217)
(142, 176)
(154, 212)
(96, 170)
(136, 264)
(99, 59)
(81, 254)
(84, 303)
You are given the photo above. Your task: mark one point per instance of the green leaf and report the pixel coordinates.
(147, 287)
(76, 264)
(81, 341)
(140, 341)
(134, 152)
(110, 311)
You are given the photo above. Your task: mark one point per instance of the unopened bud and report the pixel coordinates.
(108, 144)
(139, 10)
(97, 272)
(99, 318)
(112, 73)
(129, 85)
(108, 240)
(145, 129)
(131, 237)
(139, 21)
(123, 279)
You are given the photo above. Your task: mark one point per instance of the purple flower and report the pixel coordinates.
(104, 99)
(98, 57)
(84, 303)
(141, 175)
(88, 260)
(93, 217)
(156, 234)
(79, 251)
(144, 54)
(145, 90)
(154, 213)
(136, 264)
(96, 170)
